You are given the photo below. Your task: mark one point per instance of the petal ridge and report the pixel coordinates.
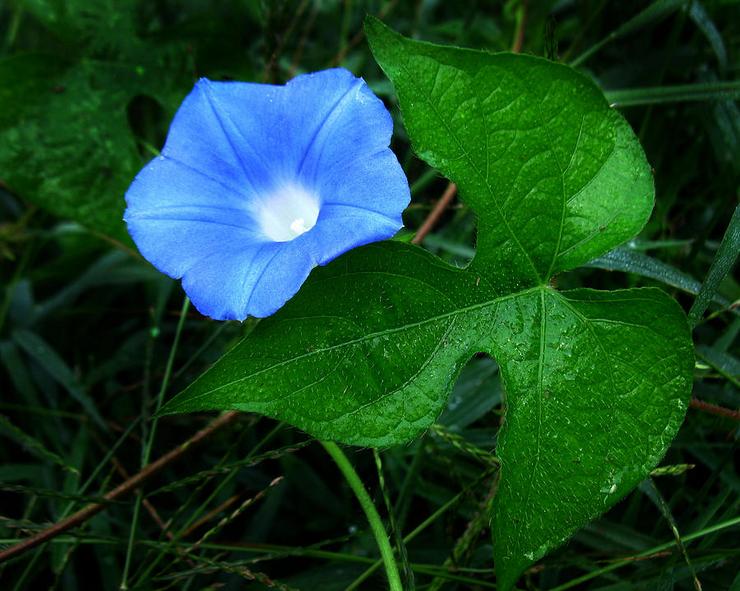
(362, 208)
(256, 282)
(329, 115)
(202, 173)
(208, 92)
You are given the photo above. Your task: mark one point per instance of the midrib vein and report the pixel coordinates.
(373, 335)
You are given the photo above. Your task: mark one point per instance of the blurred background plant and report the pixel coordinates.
(89, 332)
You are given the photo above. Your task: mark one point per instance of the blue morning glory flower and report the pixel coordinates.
(257, 184)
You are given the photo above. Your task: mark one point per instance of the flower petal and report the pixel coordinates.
(376, 183)
(315, 121)
(342, 227)
(352, 123)
(255, 280)
(203, 137)
(257, 184)
(177, 215)
(287, 272)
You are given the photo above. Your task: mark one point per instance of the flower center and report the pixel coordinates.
(287, 213)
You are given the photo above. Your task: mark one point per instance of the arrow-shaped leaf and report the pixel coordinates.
(597, 383)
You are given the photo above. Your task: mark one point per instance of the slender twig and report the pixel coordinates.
(125, 487)
(579, 36)
(151, 509)
(269, 72)
(714, 409)
(460, 443)
(145, 572)
(652, 491)
(436, 213)
(521, 23)
(234, 514)
(376, 525)
(210, 515)
(298, 55)
(359, 36)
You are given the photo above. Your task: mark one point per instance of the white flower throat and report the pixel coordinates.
(287, 213)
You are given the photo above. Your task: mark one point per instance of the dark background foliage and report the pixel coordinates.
(87, 89)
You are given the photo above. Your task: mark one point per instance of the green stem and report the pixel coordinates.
(421, 527)
(150, 439)
(381, 537)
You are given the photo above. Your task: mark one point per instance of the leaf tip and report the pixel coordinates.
(171, 407)
(379, 35)
(508, 570)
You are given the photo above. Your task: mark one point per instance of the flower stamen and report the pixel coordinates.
(288, 213)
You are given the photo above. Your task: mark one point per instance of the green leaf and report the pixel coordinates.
(522, 136)
(367, 371)
(43, 156)
(597, 383)
(727, 365)
(706, 25)
(632, 261)
(597, 390)
(30, 74)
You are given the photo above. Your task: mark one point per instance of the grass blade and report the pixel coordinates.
(41, 351)
(656, 95)
(655, 12)
(723, 262)
(33, 445)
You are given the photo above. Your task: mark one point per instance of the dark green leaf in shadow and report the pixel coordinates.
(67, 144)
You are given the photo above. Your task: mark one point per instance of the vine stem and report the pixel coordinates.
(376, 525)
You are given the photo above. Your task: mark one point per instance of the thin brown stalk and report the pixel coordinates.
(521, 25)
(234, 514)
(298, 54)
(270, 67)
(714, 409)
(151, 509)
(210, 515)
(125, 487)
(359, 36)
(436, 213)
